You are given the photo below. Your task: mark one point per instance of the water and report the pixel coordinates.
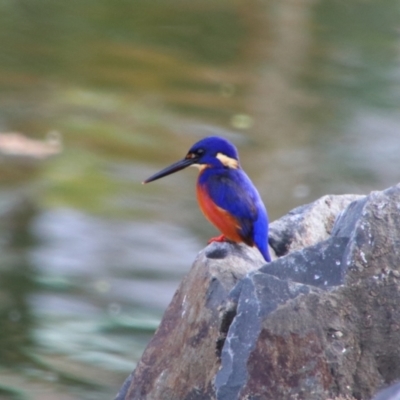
(308, 90)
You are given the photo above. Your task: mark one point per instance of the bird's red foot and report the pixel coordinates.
(220, 238)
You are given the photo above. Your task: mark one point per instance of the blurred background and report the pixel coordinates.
(96, 95)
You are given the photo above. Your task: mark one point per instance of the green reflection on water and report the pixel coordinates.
(355, 57)
(16, 285)
(80, 67)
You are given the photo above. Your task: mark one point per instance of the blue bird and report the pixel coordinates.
(225, 193)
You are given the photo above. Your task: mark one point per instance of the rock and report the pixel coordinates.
(15, 144)
(318, 345)
(181, 360)
(390, 393)
(307, 225)
(321, 322)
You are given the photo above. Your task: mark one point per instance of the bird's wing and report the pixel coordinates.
(233, 192)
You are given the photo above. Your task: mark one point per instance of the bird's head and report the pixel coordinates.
(210, 152)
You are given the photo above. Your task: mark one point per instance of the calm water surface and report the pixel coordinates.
(308, 90)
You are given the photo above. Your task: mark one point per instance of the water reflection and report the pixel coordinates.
(17, 283)
(308, 90)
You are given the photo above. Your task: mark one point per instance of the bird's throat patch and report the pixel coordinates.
(200, 167)
(228, 161)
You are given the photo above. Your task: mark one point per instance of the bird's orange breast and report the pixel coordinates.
(225, 222)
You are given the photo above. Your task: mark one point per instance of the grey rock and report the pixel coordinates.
(390, 393)
(181, 360)
(307, 225)
(340, 340)
(321, 321)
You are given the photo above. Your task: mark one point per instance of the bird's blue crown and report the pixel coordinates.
(215, 151)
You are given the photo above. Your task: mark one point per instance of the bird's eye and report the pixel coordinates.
(200, 152)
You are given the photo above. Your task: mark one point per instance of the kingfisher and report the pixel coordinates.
(226, 195)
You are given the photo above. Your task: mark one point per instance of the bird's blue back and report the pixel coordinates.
(232, 190)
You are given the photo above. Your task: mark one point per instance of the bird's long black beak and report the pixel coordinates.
(186, 162)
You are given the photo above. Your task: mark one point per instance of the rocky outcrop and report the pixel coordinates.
(181, 360)
(321, 321)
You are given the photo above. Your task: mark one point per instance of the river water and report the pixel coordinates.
(308, 90)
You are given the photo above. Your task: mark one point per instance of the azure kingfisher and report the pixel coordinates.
(226, 195)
